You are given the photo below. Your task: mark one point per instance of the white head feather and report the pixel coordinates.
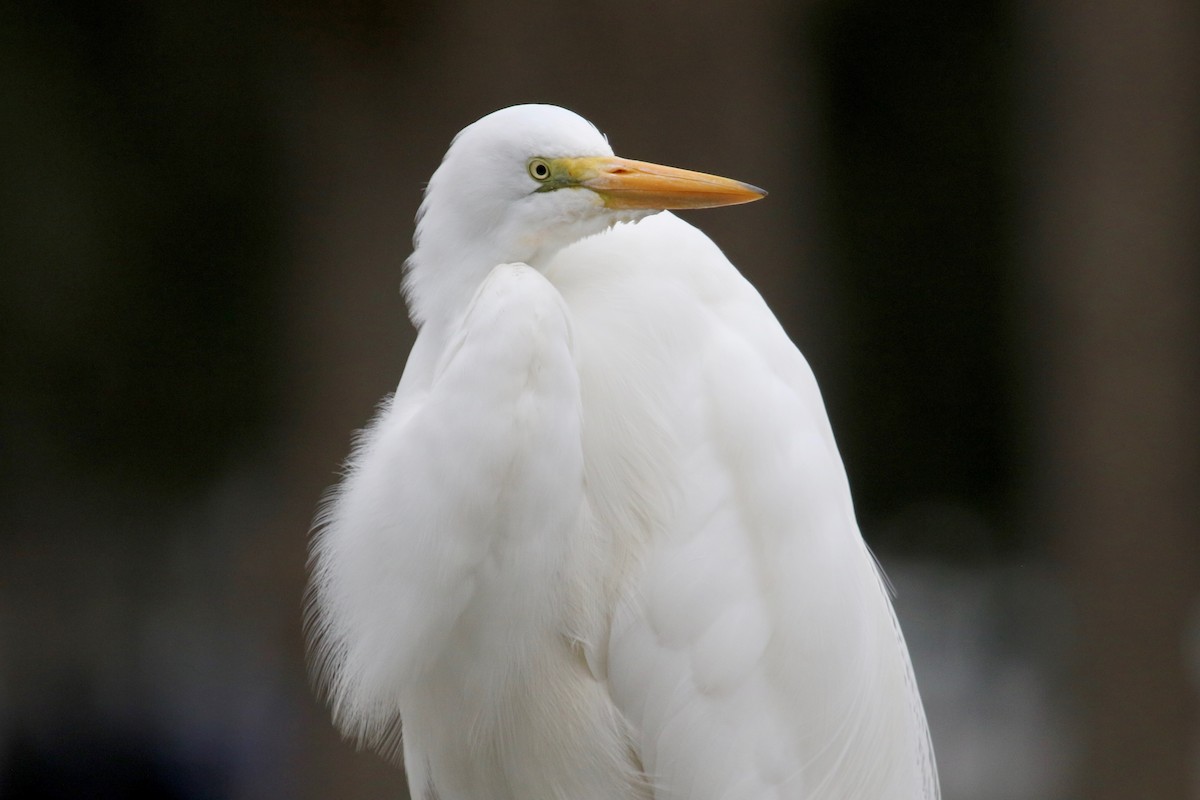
(482, 207)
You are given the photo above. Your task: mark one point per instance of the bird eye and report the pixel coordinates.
(539, 170)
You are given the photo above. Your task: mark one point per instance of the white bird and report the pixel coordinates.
(599, 544)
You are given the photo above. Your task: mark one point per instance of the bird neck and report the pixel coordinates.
(439, 287)
(444, 272)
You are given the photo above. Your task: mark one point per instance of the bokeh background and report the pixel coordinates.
(983, 230)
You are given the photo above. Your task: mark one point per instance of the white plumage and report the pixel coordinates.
(600, 543)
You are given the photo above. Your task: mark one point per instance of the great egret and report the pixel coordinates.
(600, 543)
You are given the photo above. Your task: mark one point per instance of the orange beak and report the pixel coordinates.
(624, 183)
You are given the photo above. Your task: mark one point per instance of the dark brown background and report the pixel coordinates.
(983, 230)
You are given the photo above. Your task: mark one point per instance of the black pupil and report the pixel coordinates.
(540, 170)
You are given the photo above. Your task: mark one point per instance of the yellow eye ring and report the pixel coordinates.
(539, 170)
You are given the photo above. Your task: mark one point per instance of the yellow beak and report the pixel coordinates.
(624, 183)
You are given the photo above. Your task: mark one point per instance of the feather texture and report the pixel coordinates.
(600, 544)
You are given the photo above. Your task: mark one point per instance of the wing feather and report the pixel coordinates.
(752, 646)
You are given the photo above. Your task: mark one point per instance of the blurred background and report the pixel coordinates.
(983, 231)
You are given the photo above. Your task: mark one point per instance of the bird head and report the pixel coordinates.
(522, 183)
